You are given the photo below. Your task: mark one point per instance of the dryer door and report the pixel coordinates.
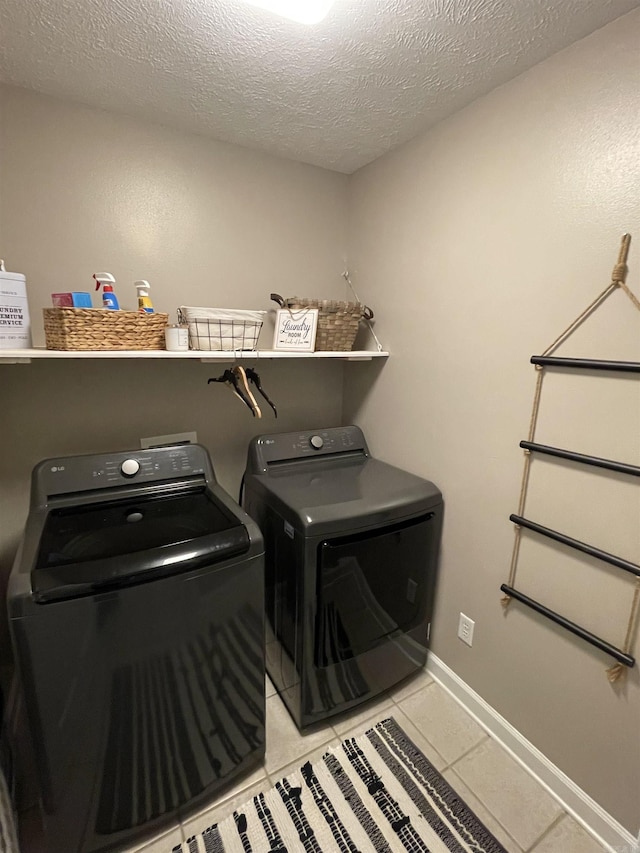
(372, 587)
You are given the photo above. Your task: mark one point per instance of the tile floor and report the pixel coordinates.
(520, 813)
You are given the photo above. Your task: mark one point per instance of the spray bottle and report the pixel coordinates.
(109, 299)
(144, 302)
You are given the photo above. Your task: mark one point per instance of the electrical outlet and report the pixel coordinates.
(465, 629)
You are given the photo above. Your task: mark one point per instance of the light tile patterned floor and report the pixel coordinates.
(512, 805)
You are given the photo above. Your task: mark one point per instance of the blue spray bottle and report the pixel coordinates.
(109, 299)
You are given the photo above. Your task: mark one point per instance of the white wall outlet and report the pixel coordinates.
(465, 629)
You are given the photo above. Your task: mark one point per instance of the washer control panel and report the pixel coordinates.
(106, 470)
(267, 450)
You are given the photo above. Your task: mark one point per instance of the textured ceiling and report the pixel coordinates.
(339, 94)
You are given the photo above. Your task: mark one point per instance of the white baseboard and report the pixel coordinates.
(597, 822)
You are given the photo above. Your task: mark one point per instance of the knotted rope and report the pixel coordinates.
(618, 671)
(618, 279)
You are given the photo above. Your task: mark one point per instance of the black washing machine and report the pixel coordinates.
(351, 548)
(136, 607)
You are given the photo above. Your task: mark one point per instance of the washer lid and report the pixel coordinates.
(333, 495)
(89, 547)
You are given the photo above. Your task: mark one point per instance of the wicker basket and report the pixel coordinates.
(100, 329)
(337, 321)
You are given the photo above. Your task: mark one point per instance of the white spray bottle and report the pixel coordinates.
(145, 305)
(109, 299)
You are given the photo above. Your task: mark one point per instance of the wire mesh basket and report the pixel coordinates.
(221, 329)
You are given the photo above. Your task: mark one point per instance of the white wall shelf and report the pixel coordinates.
(25, 356)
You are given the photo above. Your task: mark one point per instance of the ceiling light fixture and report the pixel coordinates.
(302, 11)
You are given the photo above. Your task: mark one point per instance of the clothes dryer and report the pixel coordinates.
(351, 548)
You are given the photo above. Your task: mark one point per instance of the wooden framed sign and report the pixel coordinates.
(296, 329)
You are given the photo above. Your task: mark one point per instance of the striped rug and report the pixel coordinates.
(376, 793)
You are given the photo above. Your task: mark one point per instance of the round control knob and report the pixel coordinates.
(316, 441)
(130, 467)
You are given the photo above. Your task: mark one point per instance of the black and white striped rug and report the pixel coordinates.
(376, 793)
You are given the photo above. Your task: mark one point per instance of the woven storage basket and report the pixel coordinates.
(100, 329)
(337, 321)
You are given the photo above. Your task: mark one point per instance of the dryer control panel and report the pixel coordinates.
(266, 450)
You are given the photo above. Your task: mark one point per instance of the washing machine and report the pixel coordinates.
(136, 608)
(351, 550)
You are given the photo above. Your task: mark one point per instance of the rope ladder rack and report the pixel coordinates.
(622, 655)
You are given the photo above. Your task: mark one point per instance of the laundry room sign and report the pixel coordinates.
(296, 329)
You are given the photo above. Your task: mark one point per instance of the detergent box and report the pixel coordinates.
(76, 299)
(15, 327)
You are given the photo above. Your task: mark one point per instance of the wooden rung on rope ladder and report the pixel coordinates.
(586, 364)
(597, 461)
(623, 655)
(598, 642)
